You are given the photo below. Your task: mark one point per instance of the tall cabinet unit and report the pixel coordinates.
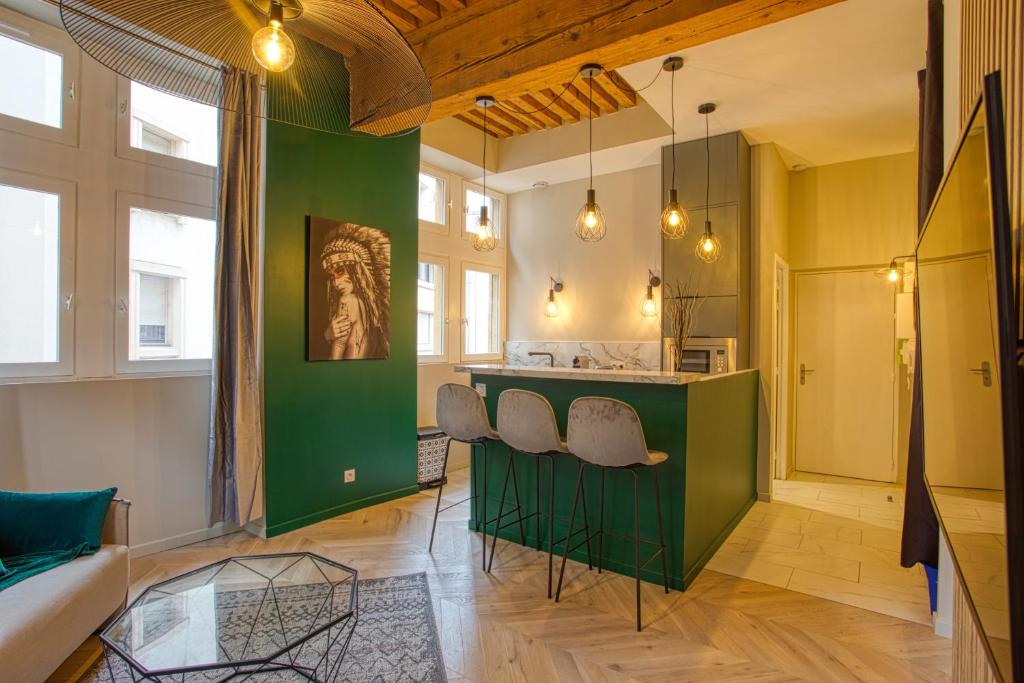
(725, 283)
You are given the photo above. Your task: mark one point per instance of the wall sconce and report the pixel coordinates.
(895, 270)
(649, 309)
(551, 306)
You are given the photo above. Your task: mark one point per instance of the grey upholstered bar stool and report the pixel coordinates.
(462, 415)
(607, 434)
(528, 427)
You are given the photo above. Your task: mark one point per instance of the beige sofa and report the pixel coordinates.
(43, 619)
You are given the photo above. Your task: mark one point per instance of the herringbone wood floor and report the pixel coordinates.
(501, 627)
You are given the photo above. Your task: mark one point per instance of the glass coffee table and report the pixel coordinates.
(265, 617)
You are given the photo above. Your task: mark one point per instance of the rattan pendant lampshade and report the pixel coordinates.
(353, 72)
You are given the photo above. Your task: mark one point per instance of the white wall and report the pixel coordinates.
(146, 436)
(605, 282)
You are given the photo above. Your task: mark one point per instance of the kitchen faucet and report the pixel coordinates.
(551, 356)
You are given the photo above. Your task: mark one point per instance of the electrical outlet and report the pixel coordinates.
(481, 388)
(350, 476)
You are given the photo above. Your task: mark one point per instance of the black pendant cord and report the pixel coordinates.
(673, 95)
(590, 130)
(707, 173)
(557, 98)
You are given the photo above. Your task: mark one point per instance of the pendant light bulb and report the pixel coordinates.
(894, 273)
(484, 238)
(590, 222)
(551, 307)
(709, 247)
(271, 46)
(674, 219)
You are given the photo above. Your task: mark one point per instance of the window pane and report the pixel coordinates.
(29, 276)
(482, 314)
(171, 299)
(430, 309)
(174, 126)
(32, 90)
(474, 200)
(432, 194)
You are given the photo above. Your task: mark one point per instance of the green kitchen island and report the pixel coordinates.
(706, 424)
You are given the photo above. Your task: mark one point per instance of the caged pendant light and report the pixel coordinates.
(709, 248)
(590, 222)
(337, 66)
(674, 218)
(483, 236)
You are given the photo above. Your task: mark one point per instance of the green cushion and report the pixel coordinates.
(3, 570)
(42, 522)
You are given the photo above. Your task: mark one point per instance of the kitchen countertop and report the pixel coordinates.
(586, 374)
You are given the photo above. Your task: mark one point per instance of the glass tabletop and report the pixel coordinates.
(237, 611)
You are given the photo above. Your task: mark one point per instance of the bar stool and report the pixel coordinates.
(462, 415)
(527, 425)
(607, 434)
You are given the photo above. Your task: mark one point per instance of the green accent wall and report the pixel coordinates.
(708, 429)
(324, 417)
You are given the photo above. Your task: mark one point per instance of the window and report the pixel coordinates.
(34, 90)
(474, 200)
(433, 198)
(481, 311)
(167, 315)
(36, 276)
(430, 310)
(37, 86)
(167, 130)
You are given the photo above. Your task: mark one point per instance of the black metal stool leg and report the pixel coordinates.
(440, 488)
(519, 507)
(636, 529)
(483, 525)
(536, 499)
(551, 521)
(600, 532)
(476, 487)
(501, 510)
(568, 532)
(661, 533)
(586, 526)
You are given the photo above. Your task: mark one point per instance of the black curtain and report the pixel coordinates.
(920, 528)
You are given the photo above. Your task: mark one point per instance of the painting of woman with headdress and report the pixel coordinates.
(349, 291)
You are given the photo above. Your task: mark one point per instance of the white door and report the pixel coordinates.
(970, 424)
(844, 375)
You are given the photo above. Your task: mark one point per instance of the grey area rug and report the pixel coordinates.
(395, 640)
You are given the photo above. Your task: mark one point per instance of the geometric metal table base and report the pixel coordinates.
(284, 617)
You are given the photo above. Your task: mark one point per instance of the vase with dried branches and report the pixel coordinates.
(682, 307)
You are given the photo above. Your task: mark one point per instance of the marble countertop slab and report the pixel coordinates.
(587, 374)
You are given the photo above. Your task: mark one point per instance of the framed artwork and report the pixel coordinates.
(348, 295)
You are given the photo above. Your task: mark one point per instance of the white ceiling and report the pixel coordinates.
(832, 85)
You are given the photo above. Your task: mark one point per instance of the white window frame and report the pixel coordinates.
(499, 271)
(446, 343)
(500, 226)
(123, 332)
(67, 191)
(124, 140)
(449, 181)
(51, 39)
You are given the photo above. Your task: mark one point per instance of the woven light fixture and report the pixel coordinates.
(353, 71)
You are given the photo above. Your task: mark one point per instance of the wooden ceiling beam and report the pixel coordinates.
(425, 10)
(453, 5)
(508, 47)
(405, 20)
(528, 112)
(581, 101)
(619, 87)
(510, 119)
(499, 129)
(560, 103)
(542, 109)
(472, 122)
(602, 96)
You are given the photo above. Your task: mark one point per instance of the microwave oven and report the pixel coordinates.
(705, 355)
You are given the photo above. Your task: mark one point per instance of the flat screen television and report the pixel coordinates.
(971, 379)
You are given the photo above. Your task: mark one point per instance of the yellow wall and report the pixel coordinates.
(856, 213)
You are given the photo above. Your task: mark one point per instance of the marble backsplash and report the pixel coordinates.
(628, 355)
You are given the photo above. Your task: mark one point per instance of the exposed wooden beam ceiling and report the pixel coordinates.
(506, 48)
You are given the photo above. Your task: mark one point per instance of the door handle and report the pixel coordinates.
(986, 373)
(804, 371)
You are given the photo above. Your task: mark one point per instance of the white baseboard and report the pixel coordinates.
(764, 497)
(219, 529)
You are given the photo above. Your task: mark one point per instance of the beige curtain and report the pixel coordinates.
(236, 409)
